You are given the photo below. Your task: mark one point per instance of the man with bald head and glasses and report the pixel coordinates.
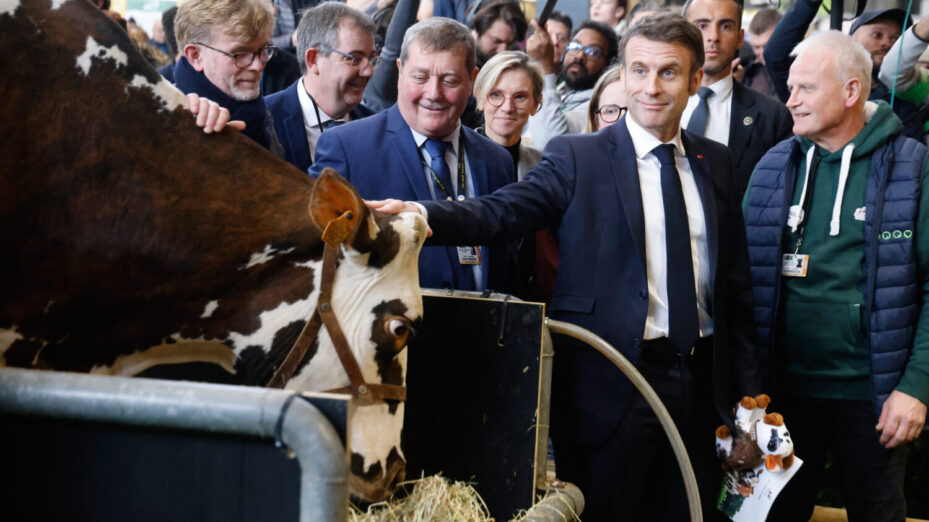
(225, 46)
(335, 48)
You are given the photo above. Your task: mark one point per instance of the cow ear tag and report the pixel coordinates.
(339, 229)
(335, 208)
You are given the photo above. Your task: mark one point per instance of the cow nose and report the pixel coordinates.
(396, 473)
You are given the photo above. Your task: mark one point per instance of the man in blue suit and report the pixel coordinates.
(335, 49)
(418, 149)
(652, 259)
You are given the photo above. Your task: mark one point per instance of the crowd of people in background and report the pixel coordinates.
(734, 210)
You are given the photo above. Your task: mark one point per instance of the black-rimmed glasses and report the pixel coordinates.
(244, 59)
(520, 100)
(610, 113)
(351, 59)
(590, 50)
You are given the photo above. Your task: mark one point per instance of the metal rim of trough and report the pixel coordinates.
(203, 407)
(677, 444)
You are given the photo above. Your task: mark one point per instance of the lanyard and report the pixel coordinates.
(462, 175)
(319, 120)
(807, 197)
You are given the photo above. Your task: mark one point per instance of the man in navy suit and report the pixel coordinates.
(335, 49)
(652, 259)
(724, 110)
(418, 149)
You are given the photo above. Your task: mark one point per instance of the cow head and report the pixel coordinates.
(376, 289)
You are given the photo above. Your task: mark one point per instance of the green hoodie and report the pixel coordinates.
(823, 323)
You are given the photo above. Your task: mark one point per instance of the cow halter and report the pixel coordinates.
(323, 315)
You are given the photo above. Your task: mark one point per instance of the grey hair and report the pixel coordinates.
(851, 60)
(319, 26)
(438, 34)
(490, 73)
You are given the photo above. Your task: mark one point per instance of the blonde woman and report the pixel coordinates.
(509, 90)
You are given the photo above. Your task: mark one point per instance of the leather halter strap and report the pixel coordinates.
(323, 315)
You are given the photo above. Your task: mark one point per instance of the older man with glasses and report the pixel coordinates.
(225, 46)
(565, 100)
(335, 48)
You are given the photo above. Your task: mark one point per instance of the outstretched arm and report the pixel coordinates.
(787, 34)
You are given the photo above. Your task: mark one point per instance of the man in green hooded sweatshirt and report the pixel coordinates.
(837, 221)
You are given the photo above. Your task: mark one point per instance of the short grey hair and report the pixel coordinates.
(438, 34)
(319, 26)
(500, 63)
(851, 60)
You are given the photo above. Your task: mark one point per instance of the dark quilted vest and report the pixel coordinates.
(891, 291)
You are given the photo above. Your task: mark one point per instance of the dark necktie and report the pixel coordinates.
(697, 123)
(683, 325)
(332, 123)
(439, 166)
(463, 274)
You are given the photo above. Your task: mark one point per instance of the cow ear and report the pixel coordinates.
(336, 208)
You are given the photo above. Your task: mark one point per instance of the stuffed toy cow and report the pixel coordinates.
(758, 437)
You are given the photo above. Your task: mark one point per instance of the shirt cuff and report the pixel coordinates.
(422, 210)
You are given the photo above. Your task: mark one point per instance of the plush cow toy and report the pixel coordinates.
(758, 437)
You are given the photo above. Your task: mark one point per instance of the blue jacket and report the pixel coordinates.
(379, 157)
(587, 189)
(892, 286)
(288, 124)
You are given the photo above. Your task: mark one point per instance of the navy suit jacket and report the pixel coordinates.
(756, 124)
(288, 124)
(587, 189)
(379, 157)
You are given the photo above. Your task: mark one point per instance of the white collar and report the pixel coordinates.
(451, 138)
(309, 113)
(644, 142)
(722, 88)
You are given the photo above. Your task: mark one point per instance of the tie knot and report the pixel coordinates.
(332, 123)
(664, 153)
(704, 93)
(436, 148)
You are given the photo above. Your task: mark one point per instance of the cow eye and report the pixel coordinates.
(399, 328)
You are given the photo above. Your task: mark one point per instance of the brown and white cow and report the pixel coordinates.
(131, 239)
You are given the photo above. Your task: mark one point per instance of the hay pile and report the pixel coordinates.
(432, 499)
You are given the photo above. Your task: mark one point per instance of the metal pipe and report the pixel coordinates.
(597, 342)
(198, 406)
(543, 415)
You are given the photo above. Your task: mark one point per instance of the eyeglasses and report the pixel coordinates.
(244, 59)
(610, 113)
(520, 100)
(590, 50)
(351, 59)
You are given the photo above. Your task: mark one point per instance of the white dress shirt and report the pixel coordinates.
(311, 123)
(656, 322)
(451, 159)
(720, 105)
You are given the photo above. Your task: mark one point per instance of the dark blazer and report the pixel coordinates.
(379, 157)
(587, 189)
(756, 124)
(288, 124)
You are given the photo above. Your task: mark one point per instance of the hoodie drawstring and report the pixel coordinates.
(840, 190)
